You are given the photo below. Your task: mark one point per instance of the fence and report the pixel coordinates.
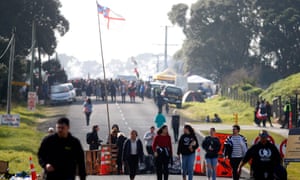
(235, 94)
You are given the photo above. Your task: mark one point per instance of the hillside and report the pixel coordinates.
(285, 88)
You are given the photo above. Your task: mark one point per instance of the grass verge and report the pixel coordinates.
(20, 143)
(224, 107)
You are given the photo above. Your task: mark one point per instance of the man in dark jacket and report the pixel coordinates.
(61, 154)
(120, 142)
(265, 158)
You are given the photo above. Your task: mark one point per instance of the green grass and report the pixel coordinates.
(20, 143)
(285, 88)
(224, 107)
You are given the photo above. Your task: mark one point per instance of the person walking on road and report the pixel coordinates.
(159, 119)
(235, 148)
(61, 154)
(175, 122)
(120, 144)
(133, 153)
(159, 101)
(162, 148)
(187, 146)
(87, 109)
(265, 159)
(148, 138)
(92, 138)
(269, 113)
(211, 144)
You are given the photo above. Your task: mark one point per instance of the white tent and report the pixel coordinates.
(198, 79)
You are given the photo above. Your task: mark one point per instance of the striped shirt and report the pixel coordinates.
(238, 144)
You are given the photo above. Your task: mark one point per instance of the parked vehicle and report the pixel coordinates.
(60, 94)
(172, 95)
(72, 90)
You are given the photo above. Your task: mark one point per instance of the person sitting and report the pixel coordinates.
(216, 119)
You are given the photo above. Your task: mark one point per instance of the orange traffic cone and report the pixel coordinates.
(32, 169)
(105, 161)
(197, 165)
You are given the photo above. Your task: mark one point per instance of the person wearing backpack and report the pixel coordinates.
(92, 138)
(87, 109)
(262, 113)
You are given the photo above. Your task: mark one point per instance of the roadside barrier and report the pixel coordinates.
(32, 170)
(92, 162)
(108, 163)
(105, 167)
(197, 165)
(223, 168)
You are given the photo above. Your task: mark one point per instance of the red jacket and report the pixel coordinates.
(162, 141)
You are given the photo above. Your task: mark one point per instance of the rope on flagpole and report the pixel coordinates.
(104, 75)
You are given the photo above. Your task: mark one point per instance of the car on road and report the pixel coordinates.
(71, 89)
(172, 95)
(60, 94)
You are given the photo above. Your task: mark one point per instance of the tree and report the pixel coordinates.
(278, 27)
(55, 71)
(217, 37)
(20, 15)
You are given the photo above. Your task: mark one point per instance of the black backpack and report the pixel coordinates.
(89, 138)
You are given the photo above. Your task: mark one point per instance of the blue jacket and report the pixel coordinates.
(160, 120)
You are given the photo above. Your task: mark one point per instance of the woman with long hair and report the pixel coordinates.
(162, 148)
(187, 146)
(87, 109)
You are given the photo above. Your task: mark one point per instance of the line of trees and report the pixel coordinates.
(20, 14)
(224, 37)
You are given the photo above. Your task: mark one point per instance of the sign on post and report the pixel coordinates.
(10, 120)
(293, 146)
(31, 102)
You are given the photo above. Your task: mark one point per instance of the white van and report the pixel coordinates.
(60, 94)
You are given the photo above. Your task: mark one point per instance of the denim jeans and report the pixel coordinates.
(188, 165)
(211, 165)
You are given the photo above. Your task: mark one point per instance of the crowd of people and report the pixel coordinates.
(112, 88)
(61, 153)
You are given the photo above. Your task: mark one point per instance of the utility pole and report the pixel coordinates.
(10, 72)
(32, 56)
(166, 47)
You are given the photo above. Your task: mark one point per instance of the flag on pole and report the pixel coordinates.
(136, 73)
(109, 14)
(134, 61)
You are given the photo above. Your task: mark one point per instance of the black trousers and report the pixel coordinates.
(162, 168)
(87, 115)
(234, 162)
(149, 150)
(133, 163)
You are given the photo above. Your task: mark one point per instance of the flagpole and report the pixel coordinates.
(104, 75)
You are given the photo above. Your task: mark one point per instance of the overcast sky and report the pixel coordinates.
(142, 31)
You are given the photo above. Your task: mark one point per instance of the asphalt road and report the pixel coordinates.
(138, 116)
